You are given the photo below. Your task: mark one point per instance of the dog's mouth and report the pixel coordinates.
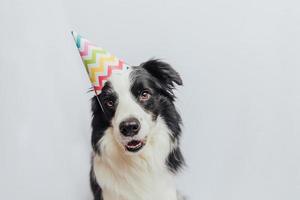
(135, 145)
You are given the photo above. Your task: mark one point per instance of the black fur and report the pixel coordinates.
(102, 118)
(160, 79)
(164, 74)
(175, 160)
(96, 189)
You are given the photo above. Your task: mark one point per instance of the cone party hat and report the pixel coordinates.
(99, 63)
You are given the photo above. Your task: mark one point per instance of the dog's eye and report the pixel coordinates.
(144, 96)
(109, 103)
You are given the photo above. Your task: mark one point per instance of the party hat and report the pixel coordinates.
(99, 63)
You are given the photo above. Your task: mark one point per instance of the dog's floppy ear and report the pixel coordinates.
(163, 72)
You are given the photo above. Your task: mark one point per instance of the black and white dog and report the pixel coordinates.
(135, 137)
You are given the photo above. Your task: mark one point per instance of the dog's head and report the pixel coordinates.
(132, 103)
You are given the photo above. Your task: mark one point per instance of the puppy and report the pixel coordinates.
(135, 135)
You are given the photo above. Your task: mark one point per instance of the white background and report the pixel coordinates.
(240, 62)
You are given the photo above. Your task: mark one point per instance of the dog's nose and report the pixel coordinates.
(130, 127)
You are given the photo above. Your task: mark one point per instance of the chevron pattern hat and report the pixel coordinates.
(98, 63)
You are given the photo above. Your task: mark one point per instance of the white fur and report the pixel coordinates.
(134, 176)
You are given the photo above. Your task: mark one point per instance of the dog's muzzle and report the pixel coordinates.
(130, 128)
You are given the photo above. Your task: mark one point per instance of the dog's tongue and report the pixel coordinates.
(133, 143)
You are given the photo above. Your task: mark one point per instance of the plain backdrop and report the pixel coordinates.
(240, 62)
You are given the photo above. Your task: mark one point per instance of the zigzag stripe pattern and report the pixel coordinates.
(100, 68)
(98, 63)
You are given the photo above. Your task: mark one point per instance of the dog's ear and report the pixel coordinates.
(163, 72)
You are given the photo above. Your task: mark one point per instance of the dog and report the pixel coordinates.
(136, 133)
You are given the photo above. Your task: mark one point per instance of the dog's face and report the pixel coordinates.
(132, 102)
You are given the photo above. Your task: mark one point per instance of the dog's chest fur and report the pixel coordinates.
(139, 177)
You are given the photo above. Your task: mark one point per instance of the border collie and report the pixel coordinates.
(135, 135)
